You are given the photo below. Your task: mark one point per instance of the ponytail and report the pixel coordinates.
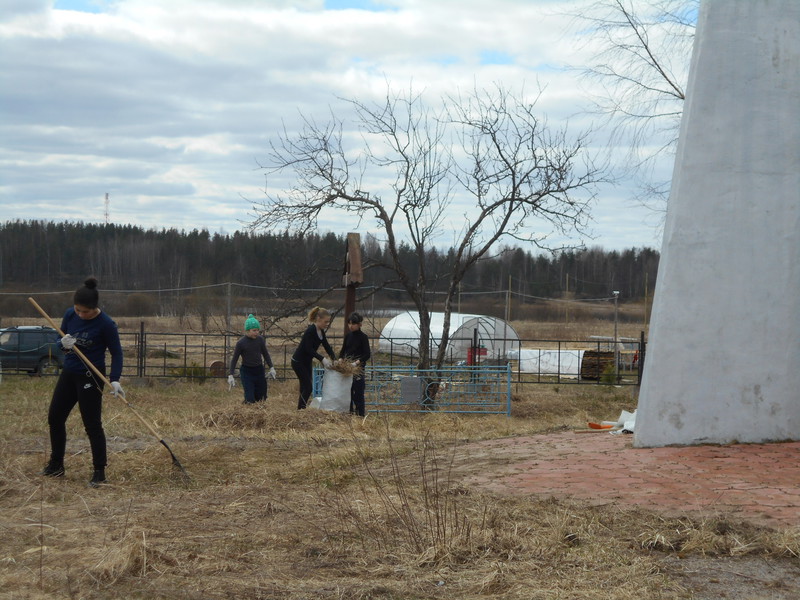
(317, 311)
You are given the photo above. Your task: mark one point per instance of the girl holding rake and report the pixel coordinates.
(89, 329)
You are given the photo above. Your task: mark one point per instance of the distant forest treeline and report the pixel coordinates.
(46, 256)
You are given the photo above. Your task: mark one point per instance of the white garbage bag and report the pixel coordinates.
(335, 391)
(626, 422)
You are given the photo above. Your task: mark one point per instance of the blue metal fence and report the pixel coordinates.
(456, 389)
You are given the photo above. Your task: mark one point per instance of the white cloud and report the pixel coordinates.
(169, 106)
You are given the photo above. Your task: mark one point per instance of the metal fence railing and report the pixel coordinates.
(530, 361)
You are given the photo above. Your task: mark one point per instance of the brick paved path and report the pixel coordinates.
(757, 482)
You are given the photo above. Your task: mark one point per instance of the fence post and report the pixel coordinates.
(142, 351)
(508, 390)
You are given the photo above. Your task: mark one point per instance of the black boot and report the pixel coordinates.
(53, 469)
(98, 477)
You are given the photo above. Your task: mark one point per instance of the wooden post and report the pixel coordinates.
(353, 274)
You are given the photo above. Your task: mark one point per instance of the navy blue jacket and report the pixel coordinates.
(93, 338)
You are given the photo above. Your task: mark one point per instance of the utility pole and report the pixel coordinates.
(616, 339)
(508, 300)
(645, 300)
(228, 312)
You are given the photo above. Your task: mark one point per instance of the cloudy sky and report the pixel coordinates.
(168, 106)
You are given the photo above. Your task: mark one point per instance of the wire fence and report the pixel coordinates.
(224, 303)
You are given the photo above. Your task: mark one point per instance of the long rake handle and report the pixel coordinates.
(99, 373)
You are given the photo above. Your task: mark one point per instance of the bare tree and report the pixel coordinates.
(640, 70)
(481, 167)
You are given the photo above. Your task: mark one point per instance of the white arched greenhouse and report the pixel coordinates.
(493, 338)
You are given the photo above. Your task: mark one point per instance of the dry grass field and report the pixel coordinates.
(286, 504)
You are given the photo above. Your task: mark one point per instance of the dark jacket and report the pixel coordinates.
(251, 350)
(356, 347)
(307, 349)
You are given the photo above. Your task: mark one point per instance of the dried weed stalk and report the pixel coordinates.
(413, 507)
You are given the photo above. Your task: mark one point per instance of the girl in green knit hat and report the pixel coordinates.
(252, 348)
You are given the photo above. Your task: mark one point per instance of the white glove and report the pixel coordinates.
(327, 363)
(116, 389)
(272, 373)
(231, 382)
(68, 341)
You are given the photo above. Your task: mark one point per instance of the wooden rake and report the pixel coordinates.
(97, 372)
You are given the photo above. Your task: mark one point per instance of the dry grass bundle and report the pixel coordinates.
(347, 366)
(259, 417)
(129, 556)
(719, 537)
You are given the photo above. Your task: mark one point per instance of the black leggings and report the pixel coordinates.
(304, 374)
(357, 403)
(81, 389)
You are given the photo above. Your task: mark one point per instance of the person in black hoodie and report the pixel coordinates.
(306, 352)
(356, 349)
(92, 331)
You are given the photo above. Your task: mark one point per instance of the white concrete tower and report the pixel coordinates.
(723, 362)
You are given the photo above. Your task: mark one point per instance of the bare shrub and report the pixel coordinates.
(139, 305)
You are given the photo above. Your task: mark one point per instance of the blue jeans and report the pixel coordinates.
(254, 383)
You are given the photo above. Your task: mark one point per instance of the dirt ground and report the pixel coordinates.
(495, 465)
